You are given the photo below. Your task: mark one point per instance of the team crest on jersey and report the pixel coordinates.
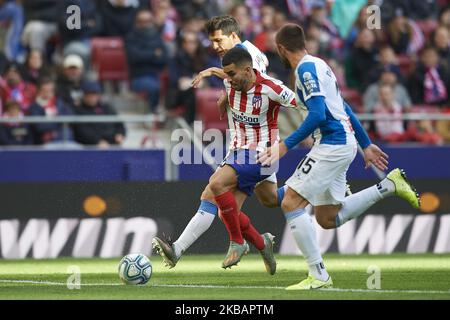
(257, 102)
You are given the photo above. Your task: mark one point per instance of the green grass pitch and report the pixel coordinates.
(403, 276)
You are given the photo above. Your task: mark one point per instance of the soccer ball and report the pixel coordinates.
(135, 269)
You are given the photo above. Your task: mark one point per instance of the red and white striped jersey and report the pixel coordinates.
(253, 115)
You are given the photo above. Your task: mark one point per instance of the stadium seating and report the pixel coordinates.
(206, 109)
(109, 59)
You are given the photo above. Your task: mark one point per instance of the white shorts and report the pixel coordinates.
(272, 178)
(321, 177)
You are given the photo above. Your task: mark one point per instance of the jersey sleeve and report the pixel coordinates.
(308, 79)
(278, 92)
(260, 61)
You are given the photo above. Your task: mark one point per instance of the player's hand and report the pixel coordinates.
(375, 156)
(272, 154)
(222, 103)
(198, 78)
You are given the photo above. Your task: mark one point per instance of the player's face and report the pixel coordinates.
(221, 43)
(238, 78)
(281, 52)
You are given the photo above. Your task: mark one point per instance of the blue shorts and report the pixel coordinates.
(249, 172)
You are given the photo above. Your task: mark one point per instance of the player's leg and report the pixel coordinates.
(297, 213)
(263, 242)
(223, 184)
(268, 193)
(199, 223)
(356, 204)
(312, 178)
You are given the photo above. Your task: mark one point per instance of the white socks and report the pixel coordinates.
(199, 223)
(357, 203)
(304, 233)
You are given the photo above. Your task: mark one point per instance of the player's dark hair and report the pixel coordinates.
(226, 23)
(292, 37)
(240, 57)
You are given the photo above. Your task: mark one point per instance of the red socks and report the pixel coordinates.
(250, 233)
(238, 224)
(230, 215)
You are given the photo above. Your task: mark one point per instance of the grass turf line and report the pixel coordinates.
(403, 276)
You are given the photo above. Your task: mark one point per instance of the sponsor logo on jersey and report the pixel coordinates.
(310, 84)
(286, 96)
(252, 120)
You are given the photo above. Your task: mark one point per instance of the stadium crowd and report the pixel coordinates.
(46, 67)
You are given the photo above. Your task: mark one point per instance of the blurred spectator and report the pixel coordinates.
(314, 35)
(33, 68)
(11, 19)
(41, 18)
(119, 16)
(404, 35)
(441, 41)
(415, 9)
(387, 60)
(276, 68)
(166, 21)
(14, 133)
(430, 82)
(313, 46)
(69, 81)
(444, 16)
(47, 104)
(267, 16)
(199, 9)
(360, 59)
(296, 10)
(13, 87)
(147, 57)
(188, 62)
(99, 134)
(328, 33)
(279, 19)
(78, 41)
(390, 130)
(197, 26)
(242, 15)
(359, 24)
(388, 78)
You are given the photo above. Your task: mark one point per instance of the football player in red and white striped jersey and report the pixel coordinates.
(223, 32)
(254, 101)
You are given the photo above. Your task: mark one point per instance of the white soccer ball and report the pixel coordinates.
(135, 268)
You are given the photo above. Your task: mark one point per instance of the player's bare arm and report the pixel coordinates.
(213, 71)
(222, 104)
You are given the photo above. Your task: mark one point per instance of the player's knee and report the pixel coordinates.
(286, 206)
(207, 195)
(216, 186)
(268, 201)
(326, 222)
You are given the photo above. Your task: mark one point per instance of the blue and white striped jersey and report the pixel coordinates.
(313, 77)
